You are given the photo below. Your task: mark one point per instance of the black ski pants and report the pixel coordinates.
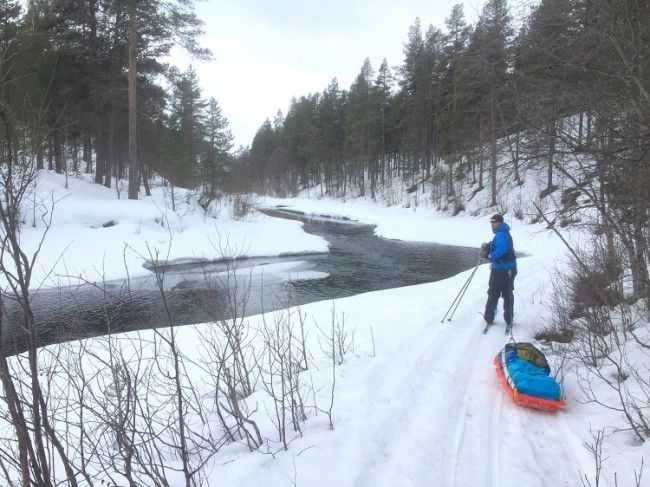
(501, 285)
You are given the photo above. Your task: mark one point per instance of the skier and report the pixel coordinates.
(500, 251)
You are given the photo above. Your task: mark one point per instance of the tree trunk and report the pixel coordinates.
(110, 147)
(39, 155)
(50, 153)
(100, 151)
(480, 155)
(493, 150)
(75, 155)
(134, 179)
(87, 151)
(58, 152)
(580, 124)
(450, 176)
(145, 181)
(552, 135)
(516, 161)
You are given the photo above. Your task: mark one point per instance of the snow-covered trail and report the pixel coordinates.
(427, 407)
(434, 414)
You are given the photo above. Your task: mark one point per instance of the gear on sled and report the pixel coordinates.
(523, 372)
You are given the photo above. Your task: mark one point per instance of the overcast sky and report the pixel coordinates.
(267, 51)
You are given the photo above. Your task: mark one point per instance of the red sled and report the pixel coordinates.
(526, 400)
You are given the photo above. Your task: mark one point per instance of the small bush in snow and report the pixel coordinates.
(610, 336)
(241, 205)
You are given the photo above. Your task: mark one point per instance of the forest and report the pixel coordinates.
(65, 87)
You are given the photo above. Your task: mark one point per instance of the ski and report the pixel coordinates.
(487, 325)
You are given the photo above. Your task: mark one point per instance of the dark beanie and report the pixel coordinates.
(497, 218)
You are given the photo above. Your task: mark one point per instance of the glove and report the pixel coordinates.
(485, 249)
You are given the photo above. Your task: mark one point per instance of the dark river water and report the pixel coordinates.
(358, 262)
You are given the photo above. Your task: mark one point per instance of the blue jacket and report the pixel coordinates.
(502, 252)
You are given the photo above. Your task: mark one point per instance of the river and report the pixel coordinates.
(358, 262)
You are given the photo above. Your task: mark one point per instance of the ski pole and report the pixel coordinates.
(460, 294)
(465, 284)
(455, 299)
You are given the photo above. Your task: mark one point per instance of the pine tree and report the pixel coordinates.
(298, 141)
(418, 80)
(452, 111)
(433, 62)
(262, 168)
(451, 83)
(383, 99)
(152, 25)
(490, 55)
(360, 139)
(188, 118)
(216, 160)
(329, 133)
(413, 99)
(542, 74)
(134, 172)
(9, 14)
(264, 143)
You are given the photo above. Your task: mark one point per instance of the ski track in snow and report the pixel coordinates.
(495, 415)
(473, 438)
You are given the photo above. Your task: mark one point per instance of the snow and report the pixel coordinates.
(416, 400)
(79, 247)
